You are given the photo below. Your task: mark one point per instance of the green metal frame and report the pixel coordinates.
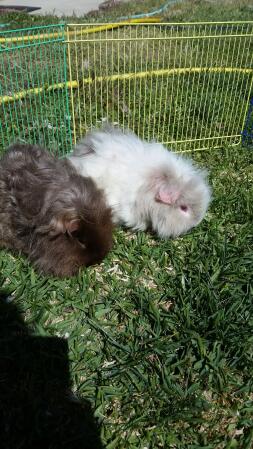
(32, 59)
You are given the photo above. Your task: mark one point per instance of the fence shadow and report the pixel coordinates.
(36, 406)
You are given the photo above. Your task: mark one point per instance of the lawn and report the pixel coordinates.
(160, 335)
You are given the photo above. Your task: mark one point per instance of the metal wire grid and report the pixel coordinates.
(32, 61)
(186, 85)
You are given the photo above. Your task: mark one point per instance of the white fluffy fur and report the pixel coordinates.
(145, 184)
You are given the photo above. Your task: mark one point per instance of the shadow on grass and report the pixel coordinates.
(36, 407)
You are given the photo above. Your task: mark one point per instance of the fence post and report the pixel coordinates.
(247, 133)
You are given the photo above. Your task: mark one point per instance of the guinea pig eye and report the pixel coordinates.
(184, 208)
(82, 244)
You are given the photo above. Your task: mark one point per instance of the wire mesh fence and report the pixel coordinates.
(32, 62)
(186, 85)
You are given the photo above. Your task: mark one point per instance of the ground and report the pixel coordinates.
(160, 335)
(58, 7)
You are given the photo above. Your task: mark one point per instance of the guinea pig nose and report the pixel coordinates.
(184, 208)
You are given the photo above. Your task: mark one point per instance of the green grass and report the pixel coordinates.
(183, 11)
(161, 334)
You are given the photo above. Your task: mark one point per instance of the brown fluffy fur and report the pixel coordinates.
(47, 211)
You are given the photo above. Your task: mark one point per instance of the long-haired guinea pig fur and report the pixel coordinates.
(49, 212)
(146, 185)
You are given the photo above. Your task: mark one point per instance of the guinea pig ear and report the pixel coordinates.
(73, 225)
(167, 194)
(63, 224)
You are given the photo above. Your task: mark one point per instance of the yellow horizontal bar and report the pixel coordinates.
(124, 76)
(202, 138)
(169, 72)
(160, 38)
(109, 26)
(191, 150)
(229, 22)
(95, 29)
(35, 37)
(36, 91)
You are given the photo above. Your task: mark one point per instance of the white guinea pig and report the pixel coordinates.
(146, 185)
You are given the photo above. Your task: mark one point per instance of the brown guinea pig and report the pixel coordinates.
(56, 217)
